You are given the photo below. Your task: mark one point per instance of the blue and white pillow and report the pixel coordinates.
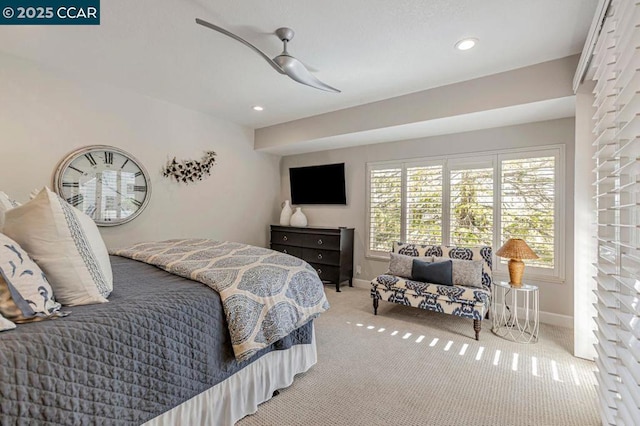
(67, 246)
(25, 293)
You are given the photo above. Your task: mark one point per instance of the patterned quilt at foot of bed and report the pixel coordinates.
(265, 294)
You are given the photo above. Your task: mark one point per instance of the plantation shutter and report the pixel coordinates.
(385, 207)
(615, 66)
(470, 201)
(424, 204)
(527, 203)
(471, 205)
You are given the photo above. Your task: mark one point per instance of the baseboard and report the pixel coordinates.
(556, 319)
(545, 317)
(358, 283)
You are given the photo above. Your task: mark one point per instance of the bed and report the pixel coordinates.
(158, 353)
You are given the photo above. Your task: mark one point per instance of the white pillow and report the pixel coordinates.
(5, 324)
(67, 246)
(6, 204)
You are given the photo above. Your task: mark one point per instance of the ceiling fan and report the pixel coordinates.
(283, 63)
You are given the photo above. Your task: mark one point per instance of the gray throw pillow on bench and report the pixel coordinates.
(465, 272)
(401, 265)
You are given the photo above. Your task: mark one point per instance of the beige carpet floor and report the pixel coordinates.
(406, 366)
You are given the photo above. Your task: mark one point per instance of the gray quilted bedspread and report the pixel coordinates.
(265, 294)
(160, 340)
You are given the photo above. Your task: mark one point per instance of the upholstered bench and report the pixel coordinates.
(461, 300)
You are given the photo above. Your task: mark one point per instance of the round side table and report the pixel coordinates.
(515, 312)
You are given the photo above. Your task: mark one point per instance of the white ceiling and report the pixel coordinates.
(370, 49)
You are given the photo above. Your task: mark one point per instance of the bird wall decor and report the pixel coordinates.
(190, 171)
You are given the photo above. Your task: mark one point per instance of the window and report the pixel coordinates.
(471, 204)
(424, 204)
(470, 201)
(527, 205)
(385, 207)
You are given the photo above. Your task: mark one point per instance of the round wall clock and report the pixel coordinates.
(106, 183)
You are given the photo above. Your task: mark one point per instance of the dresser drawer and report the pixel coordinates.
(326, 257)
(328, 250)
(327, 273)
(320, 241)
(286, 238)
(293, 251)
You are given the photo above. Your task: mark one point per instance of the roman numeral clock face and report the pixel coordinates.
(106, 183)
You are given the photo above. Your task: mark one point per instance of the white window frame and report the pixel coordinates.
(420, 163)
(483, 159)
(464, 163)
(534, 273)
(380, 166)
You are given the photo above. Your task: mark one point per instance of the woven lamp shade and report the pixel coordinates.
(516, 249)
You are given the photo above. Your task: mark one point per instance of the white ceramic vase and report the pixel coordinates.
(285, 216)
(298, 219)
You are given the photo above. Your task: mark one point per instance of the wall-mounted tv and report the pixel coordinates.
(318, 184)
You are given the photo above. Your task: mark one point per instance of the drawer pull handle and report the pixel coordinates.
(319, 271)
(319, 255)
(320, 242)
(285, 251)
(284, 238)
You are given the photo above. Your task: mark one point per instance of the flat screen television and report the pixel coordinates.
(318, 184)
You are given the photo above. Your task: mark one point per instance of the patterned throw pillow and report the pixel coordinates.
(401, 265)
(5, 324)
(66, 244)
(465, 272)
(25, 294)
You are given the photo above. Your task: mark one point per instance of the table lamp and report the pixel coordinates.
(516, 249)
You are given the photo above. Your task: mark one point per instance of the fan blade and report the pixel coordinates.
(246, 43)
(298, 72)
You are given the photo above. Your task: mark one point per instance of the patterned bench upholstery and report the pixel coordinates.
(466, 302)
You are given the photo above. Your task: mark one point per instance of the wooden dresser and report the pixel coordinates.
(328, 250)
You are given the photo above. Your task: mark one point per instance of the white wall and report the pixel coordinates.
(533, 84)
(556, 299)
(44, 116)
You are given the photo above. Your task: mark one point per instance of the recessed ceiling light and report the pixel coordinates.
(257, 108)
(466, 44)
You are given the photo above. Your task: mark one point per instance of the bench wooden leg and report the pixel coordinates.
(476, 328)
(375, 306)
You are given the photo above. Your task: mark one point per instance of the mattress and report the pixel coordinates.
(160, 341)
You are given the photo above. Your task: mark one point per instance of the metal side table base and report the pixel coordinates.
(515, 312)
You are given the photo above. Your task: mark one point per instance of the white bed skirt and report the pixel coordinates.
(239, 395)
